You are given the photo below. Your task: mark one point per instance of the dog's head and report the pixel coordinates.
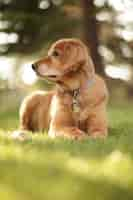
(65, 61)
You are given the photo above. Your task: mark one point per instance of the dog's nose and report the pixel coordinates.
(33, 66)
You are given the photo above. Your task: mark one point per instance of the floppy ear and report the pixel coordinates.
(89, 66)
(73, 57)
(82, 56)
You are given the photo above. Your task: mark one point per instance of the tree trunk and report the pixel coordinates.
(91, 34)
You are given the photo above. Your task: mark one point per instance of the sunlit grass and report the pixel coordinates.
(9, 120)
(42, 168)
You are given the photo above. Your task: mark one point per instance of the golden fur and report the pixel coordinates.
(69, 65)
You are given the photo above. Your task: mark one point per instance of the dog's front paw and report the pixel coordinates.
(77, 134)
(98, 134)
(20, 135)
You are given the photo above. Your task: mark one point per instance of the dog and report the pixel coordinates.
(77, 107)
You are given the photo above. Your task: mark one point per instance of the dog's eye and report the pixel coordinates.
(56, 53)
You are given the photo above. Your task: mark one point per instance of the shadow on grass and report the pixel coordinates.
(61, 169)
(37, 180)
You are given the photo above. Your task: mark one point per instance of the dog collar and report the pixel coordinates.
(75, 101)
(75, 94)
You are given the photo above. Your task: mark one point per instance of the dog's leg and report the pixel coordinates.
(26, 118)
(62, 121)
(34, 111)
(33, 114)
(97, 122)
(62, 125)
(70, 132)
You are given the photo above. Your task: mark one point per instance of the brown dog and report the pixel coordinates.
(77, 107)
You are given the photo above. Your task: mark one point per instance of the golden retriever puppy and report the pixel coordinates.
(76, 108)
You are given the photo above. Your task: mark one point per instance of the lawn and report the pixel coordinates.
(42, 168)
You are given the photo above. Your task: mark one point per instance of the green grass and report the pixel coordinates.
(9, 120)
(60, 169)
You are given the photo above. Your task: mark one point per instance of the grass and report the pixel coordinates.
(60, 169)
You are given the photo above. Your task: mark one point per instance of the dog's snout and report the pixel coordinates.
(34, 66)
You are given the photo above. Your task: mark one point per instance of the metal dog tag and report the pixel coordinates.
(76, 107)
(75, 102)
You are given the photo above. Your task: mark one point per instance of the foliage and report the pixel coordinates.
(36, 23)
(113, 26)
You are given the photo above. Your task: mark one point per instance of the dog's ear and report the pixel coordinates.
(89, 68)
(72, 56)
(81, 55)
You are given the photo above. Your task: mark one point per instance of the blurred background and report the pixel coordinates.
(28, 27)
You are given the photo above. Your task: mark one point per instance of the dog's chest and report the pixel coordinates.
(60, 104)
(54, 108)
(79, 109)
(69, 103)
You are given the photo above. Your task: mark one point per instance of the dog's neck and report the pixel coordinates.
(76, 91)
(76, 87)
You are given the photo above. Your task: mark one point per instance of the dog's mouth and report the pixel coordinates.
(49, 77)
(52, 76)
